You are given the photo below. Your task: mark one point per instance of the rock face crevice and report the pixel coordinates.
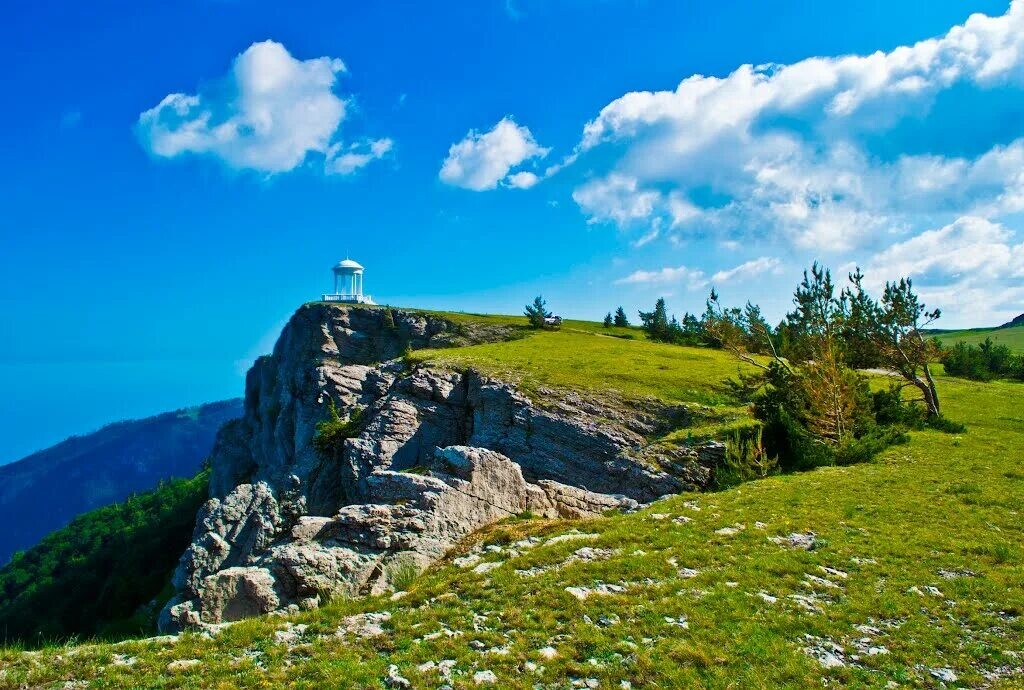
(437, 455)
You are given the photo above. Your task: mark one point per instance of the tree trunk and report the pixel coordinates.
(931, 396)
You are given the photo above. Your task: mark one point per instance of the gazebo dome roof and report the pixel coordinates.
(348, 263)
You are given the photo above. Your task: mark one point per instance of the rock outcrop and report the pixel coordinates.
(418, 459)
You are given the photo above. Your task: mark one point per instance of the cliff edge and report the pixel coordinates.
(350, 468)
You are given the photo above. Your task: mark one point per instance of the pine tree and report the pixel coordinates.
(537, 312)
(608, 320)
(620, 318)
(655, 323)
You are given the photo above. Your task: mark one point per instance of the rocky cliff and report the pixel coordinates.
(350, 467)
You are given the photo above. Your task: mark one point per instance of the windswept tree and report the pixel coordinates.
(620, 318)
(897, 327)
(537, 312)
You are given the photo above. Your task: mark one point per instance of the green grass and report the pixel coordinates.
(942, 502)
(1012, 337)
(588, 357)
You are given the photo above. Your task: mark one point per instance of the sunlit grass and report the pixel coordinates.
(943, 502)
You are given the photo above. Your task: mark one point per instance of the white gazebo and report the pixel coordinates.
(348, 284)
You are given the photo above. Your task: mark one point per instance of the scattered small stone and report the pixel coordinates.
(445, 667)
(395, 679)
(842, 575)
(796, 540)
(863, 561)
(943, 675)
(680, 622)
(731, 530)
(660, 516)
(468, 561)
(485, 678)
(398, 596)
(825, 652)
(182, 665)
(954, 574)
(442, 632)
(291, 635)
(365, 625)
(767, 597)
(571, 536)
(927, 589)
(589, 554)
(732, 585)
(812, 580)
(547, 652)
(866, 646)
(682, 520)
(124, 660)
(760, 525)
(488, 567)
(692, 505)
(811, 603)
(609, 620)
(602, 589)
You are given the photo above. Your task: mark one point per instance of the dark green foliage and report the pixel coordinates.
(620, 318)
(607, 323)
(389, 319)
(537, 312)
(46, 490)
(660, 328)
(106, 574)
(746, 458)
(859, 348)
(816, 409)
(332, 432)
(983, 362)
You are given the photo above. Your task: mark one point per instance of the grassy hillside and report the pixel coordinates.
(1012, 337)
(914, 575)
(101, 574)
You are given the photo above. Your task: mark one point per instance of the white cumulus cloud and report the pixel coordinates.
(267, 114)
(972, 267)
(791, 151)
(483, 160)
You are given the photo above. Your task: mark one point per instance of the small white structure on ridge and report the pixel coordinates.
(348, 284)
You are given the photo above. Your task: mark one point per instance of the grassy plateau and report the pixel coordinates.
(904, 572)
(1012, 337)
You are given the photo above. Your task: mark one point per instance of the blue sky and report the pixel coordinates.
(181, 176)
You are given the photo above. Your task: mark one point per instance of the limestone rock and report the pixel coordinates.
(428, 456)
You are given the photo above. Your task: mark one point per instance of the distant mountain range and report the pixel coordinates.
(45, 490)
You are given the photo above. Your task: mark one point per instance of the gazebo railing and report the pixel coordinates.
(347, 297)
